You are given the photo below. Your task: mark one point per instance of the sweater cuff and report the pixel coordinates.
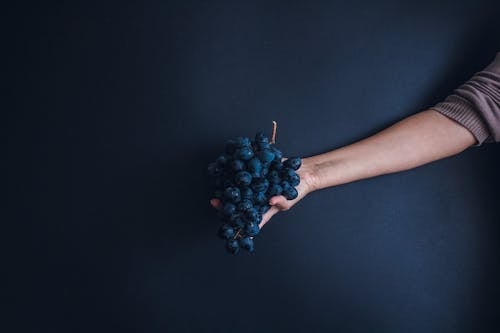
(460, 110)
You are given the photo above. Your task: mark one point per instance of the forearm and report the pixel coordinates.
(419, 139)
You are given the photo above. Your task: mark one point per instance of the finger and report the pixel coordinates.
(216, 203)
(278, 201)
(267, 216)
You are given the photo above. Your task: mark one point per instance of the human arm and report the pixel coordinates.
(471, 115)
(416, 140)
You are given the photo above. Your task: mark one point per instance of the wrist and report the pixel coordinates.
(309, 174)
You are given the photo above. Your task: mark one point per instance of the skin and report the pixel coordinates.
(416, 140)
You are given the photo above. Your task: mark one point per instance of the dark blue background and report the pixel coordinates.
(115, 109)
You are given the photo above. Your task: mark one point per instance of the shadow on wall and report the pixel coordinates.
(477, 50)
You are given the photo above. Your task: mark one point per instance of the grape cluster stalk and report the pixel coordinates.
(246, 175)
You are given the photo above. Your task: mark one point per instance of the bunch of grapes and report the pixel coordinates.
(246, 176)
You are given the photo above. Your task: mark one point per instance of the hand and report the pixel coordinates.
(280, 203)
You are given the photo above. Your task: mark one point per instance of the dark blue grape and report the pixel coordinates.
(232, 194)
(237, 165)
(247, 244)
(261, 141)
(232, 246)
(265, 171)
(284, 184)
(293, 163)
(252, 229)
(250, 215)
(242, 142)
(274, 189)
(244, 153)
(260, 198)
(277, 154)
(266, 156)
(226, 231)
(260, 184)
(290, 193)
(214, 170)
(262, 145)
(260, 137)
(286, 173)
(222, 160)
(294, 180)
(244, 205)
(274, 177)
(246, 193)
(227, 182)
(243, 178)
(236, 221)
(229, 208)
(276, 165)
(254, 166)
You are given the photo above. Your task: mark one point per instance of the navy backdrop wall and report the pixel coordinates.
(116, 109)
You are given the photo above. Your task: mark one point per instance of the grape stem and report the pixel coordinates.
(237, 234)
(273, 136)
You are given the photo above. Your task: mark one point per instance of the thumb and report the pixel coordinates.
(279, 202)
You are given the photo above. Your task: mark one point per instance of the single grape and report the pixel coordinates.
(284, 184)
(260, 198)
(260, 137)
(293, 163)
(273, 177)
(266, 156)
(247, 244)
(290, 193)
(244, 153)
(243, 178)
(236, 221)
(227, 182)
(252, 229)
(229, 208)
(262, 145)
(254, 166)
(294, 180)
(276, 165)
(226, 231)
(232, 246)
(260, 184)
(237, 165)
(277, 154)
(246, 193)
(232, 194)
(222, 160)
(250, 215)
(286, 173)
(274, 189)
(244, 205)
(242, 142)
